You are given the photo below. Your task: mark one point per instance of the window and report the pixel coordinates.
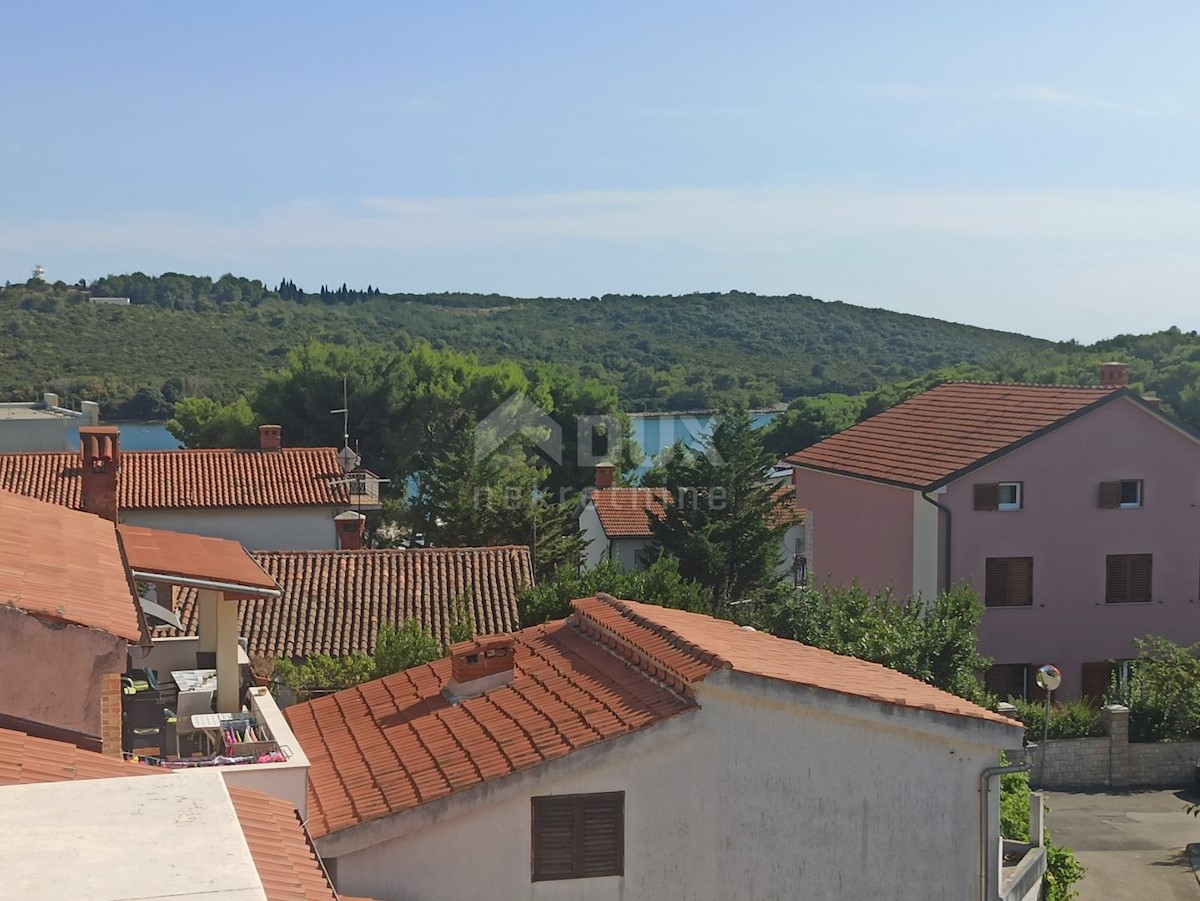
(1125, 494)
(1009, 495)
(998, 496)
(578, 836)
(1101, 676)
(1008, 582)
(1127, 578)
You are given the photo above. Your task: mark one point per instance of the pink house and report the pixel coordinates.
(1073, 511)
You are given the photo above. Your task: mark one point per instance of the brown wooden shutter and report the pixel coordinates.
(603, 822)
(1094, 682)
(1139, 577)
(987, 496)
(578, 836)
(1008, 582)
(1114, 579)
(554, 838)
(1110, 495)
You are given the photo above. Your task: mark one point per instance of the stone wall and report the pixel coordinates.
(1112, 760)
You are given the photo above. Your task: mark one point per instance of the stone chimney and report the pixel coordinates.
(49, 400)
(270, 437)
(351, 527)
(606, 475)
(480, 665)
(1114, 375)
(100, 447)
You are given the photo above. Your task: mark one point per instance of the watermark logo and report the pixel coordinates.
(516, 416)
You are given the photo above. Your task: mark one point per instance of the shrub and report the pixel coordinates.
(1073, 719)
(1163, 692)
(1062, 869)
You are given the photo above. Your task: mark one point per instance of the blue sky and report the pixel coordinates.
(1027, 166)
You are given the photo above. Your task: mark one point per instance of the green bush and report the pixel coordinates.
(1072, 719)
(1163, 692)
(1062, 869)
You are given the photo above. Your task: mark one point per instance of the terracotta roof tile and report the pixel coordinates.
(64, 565)
(335, 601)
(286, 861)
(188, 479)
(626, 512)
(929, 438)
(696, 645)
(192, 556)
(613, 667)
(25, 760)
(395, 743)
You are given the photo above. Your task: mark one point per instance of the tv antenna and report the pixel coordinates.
(347, 458)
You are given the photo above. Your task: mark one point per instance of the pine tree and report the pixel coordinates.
(724, 525)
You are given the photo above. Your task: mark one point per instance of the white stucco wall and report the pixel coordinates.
(750, 797)
(270, 529)
(596, 548)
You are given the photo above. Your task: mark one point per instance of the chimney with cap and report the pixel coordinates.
(351, 527)
(100, 447)
(480, 665)
(606, 475)
(270, 437)
(1114, 375)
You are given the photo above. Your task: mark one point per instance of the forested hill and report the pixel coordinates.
(192, 335)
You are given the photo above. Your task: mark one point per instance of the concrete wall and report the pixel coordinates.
(274, 529)
(1114, 760)
(52, 673)
(596, 550)
(1063, 528)
(766, 791)
(859, 531)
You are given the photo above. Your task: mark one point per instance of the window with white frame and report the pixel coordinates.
(1009, 495)
(1131, 492)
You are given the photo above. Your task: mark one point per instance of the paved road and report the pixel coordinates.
(1131, 842)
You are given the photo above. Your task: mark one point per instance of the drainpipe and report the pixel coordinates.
(990, 882)
(949, 534)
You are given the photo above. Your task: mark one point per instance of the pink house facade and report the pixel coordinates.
(1074, 513)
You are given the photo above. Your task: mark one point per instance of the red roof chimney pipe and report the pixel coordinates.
(100, 448)
(1114, 375)
(606, 475)
(351, 527)
(270, 437)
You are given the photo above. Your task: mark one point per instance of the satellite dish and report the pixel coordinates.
(1048, 677)
(348, 459)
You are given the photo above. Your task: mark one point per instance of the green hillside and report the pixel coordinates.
(191, 335)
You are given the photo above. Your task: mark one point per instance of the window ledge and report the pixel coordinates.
(1009, 606)
(1129, 603)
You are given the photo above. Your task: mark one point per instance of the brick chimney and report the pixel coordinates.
(270, 437)
(480, 665)
(1114, 375)
(606, 475)
(100, 447)
(351, 527)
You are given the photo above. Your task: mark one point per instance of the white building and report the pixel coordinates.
(635, 752)
(615, 524)
(273, 498)
(43, 425)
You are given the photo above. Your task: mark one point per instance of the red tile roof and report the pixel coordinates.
(693, 645)
(394, 743)
(193, 557)
(626, 512)
(188, 479)
(929, 439)
(64, 565)
(25, 760)
(284, 856)
(612, 668)
(334, 601)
